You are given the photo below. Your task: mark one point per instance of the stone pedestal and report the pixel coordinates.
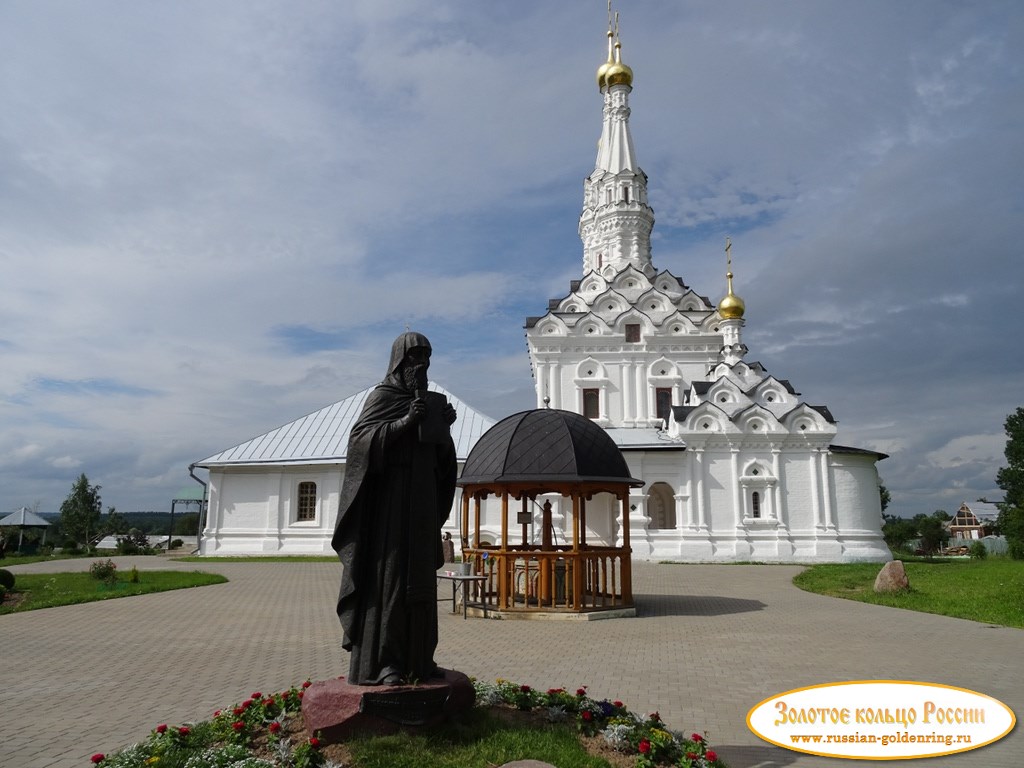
(335, 709)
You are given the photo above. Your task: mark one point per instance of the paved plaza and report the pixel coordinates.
(710, 641)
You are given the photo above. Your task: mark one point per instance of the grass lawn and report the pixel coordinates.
(47, 590)
(23, 559)
(990, 590)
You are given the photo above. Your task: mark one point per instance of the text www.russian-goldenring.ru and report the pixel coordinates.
(948, 739)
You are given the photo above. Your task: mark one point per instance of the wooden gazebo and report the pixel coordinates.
(545, 453)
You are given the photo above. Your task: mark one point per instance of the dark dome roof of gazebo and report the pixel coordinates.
(546, 446)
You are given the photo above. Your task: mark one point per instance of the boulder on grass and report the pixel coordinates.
(892, 578)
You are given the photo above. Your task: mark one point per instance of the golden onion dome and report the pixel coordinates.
(731, 307)
(618, 73)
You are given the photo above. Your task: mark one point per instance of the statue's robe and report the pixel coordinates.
(396, 495)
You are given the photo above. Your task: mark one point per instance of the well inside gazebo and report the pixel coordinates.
(525, 461)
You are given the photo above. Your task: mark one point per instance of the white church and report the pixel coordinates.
(736, 466)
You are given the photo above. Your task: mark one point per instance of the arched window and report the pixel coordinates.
(755, 505)
(306, 502)
(661, 506)
(592, 403)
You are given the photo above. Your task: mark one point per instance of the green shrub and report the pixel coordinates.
(3, 592)
(6, 579)
(105, 571)
(134, 543)
(177, 544)
(978, 551)
(133, 575)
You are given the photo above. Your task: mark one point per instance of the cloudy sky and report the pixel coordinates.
(215, 216)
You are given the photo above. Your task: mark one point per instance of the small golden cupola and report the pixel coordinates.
(613, 71)
(732, 306)
(618, 73)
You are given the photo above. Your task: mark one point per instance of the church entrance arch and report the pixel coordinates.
(661, 506)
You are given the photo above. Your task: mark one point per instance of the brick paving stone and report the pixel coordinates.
(710, 642)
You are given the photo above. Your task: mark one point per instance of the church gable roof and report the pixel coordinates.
(321, 437)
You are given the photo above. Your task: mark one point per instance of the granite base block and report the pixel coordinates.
(335, 709)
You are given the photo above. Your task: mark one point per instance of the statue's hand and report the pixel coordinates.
(449, 414)
(417, 411)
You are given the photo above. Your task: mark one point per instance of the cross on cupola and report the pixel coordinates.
(616, 222)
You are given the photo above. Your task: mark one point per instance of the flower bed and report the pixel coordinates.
(644, 737)
(266, 731)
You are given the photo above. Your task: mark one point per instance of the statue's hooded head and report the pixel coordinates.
(410, 358)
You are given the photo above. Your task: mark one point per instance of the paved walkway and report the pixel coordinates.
(710, 642)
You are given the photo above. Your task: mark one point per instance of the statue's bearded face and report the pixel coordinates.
(414, 368)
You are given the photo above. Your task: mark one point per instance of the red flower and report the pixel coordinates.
(696, 737)
(587, 715)
(524, 688)
(301, 693)
(237, 711)
(275, 727)
(581, 691)
(247, 703)
(692, 756)
(183, 731)
(162, 728)
(711, 755)
(644, 746)
(98, 758)
(314, 742)
(618, 704)
(256, 695)
(217, 713)
(656, 717)
(238, 725)
(306, 684)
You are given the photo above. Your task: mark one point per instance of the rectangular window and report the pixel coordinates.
(633, 332)
(592, 403)
(663, 403)
(307, 501)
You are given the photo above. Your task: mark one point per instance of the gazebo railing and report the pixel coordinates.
(524, 578)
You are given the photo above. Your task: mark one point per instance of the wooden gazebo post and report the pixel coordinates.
(504, 561)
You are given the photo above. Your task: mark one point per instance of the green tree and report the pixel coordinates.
(931, 531)
(187, 524)
(884, 497)
(80, 512)
(897, 531)
(1011, 479)
(113, 523)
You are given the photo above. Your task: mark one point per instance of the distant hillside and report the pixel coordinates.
(147, 521)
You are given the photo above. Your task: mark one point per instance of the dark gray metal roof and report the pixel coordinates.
(546, 446)
(858, 451)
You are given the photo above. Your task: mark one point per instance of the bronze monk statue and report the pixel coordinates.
(399, 485)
